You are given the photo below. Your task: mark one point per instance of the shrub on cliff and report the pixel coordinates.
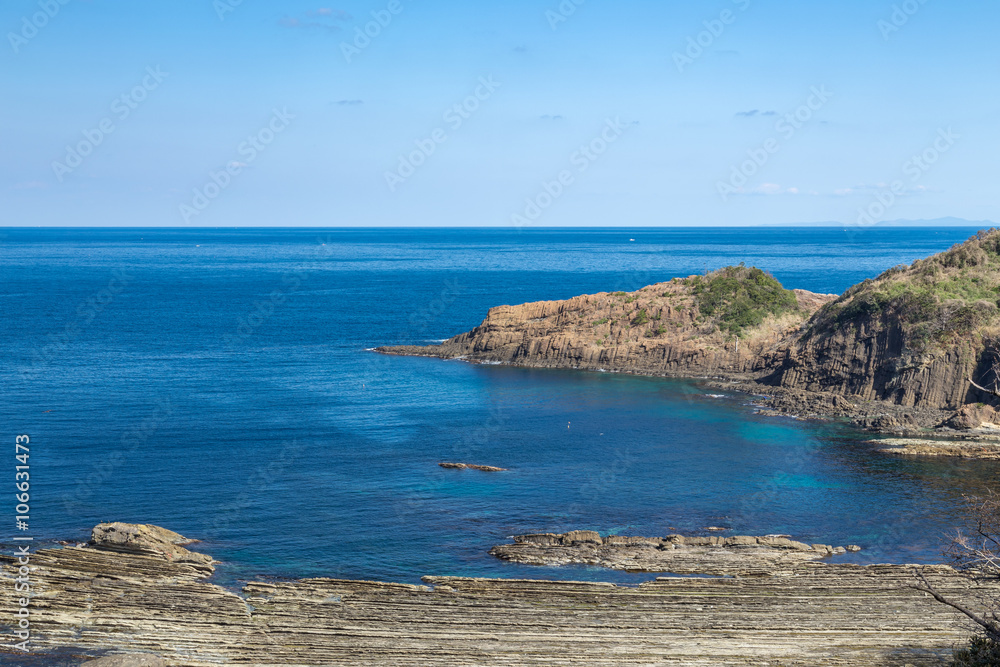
(934, 301)
(982, 652)
(740, 297)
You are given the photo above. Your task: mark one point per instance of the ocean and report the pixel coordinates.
(221, 383)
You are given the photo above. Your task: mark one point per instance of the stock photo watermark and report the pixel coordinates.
(264, 309)
(563, 12)
(914, 169)
(22, 554)
(257, 484)
(122, 108)
(455, 116)
(758, 157)
(901, 15)
(31, 25)
(419, 498)
(381, 19)
(581, 159)
(599, 484)
(423, 318)
(249, 151)
(714, 29)
(223, 7)
(86, 312)
(104, 470)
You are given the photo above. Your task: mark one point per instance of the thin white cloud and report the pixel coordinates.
(767, 190)
(323, 18)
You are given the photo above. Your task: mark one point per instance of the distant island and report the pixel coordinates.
(914, 352)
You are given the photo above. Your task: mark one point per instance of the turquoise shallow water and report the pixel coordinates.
(222, 387)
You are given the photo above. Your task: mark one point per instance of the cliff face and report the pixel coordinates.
(873, 363)
(912, 337)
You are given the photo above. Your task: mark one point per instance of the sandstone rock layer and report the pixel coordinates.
(94, 601)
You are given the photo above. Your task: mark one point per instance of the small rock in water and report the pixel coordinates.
(853, 548)
(469, 466)
(717, 529)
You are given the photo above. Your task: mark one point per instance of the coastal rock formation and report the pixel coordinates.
(662, 329)
(469, 466)
(90, 601)
(897, 353)
(150, 541)
(916, 336)
(963, 449)
(723, 556)
(974, 416)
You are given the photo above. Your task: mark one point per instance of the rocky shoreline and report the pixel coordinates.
(137, 590)
(864, 356)
(677, 554)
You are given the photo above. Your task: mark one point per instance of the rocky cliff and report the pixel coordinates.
(684, 327)
(913, 336)
(893, 352)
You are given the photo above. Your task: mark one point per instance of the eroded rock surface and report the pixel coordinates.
(739, 555)
(963, 449)
(146, 540)
(92, 601)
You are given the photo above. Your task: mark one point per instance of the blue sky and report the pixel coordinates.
(597, 114)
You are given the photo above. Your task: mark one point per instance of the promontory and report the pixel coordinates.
(914, 352)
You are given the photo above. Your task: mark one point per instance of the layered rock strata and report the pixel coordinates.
(92, 601)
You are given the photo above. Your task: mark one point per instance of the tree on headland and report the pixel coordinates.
(976, 552)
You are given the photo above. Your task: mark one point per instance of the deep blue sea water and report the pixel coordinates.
(218, 383)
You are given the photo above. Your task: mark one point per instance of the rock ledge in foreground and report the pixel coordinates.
(92, 600)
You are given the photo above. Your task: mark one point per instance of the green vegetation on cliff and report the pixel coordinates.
(740, 297)
(934, 300)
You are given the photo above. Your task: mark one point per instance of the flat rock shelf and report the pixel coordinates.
(739, 555)
(93, 600)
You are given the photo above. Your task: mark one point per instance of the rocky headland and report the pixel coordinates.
(677, 554)
(137, 596)
(914, 352)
